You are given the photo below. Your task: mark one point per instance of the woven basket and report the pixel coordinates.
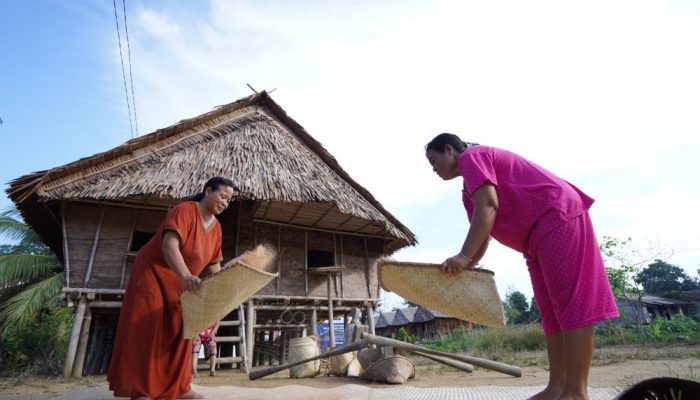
(470, 296)
(394, 369)
(222, 292)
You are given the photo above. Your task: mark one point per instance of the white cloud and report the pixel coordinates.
(602, 93)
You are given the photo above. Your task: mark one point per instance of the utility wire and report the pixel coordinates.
(126, 91)
(131, 77)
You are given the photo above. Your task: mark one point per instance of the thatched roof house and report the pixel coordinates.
(404, 316)
(96, 212)
(269, 156)
(385, 319)
(420, 321)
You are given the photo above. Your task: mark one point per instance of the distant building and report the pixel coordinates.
(652, 307)
(420, 321)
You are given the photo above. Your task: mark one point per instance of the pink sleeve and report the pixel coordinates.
(477, 168)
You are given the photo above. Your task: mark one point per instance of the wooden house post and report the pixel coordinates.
(250, 331)
(82, 344)
(74, 336)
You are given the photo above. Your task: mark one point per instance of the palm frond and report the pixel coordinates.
(25, 306)
(12, 227)
(16, 268)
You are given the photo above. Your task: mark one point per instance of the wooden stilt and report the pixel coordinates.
(74, 336)
(370, 318)
(331, 330)
(250, 321)
(82, 344)
(314, 322)
(244, 364)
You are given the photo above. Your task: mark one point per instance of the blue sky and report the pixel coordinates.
(602, 93)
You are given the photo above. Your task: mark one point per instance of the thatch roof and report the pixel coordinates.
(404, 316)
(268, 155)
(385, 319)
(423, 314)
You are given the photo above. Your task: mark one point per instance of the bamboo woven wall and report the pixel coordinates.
(83, 219)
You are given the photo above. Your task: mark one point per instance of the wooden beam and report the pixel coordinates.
(314, 322)
(74, 337)
(105, 304)
(323, 215)
(66, 257)
(264, 216)
(128, 246)
(344, 222)
(126, 205)
(291, 220)
(94, 247)
(335, 230)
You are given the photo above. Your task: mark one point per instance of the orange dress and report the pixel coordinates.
(150, 357)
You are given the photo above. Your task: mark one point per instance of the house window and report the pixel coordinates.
(318, 258)
(139, 240)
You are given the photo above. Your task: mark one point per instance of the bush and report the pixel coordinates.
(516, 338)
(679, 328)
(39, 347)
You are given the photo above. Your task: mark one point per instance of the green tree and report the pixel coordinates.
(516, 308)
(663, 279)
(31, 276)
(407, 303)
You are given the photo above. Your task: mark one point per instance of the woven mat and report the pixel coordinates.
(222, 292)
(352, 392)
(470, 295)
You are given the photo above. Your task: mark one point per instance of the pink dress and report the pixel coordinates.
(545, 218)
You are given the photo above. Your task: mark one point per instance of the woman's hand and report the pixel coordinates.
(190, 282)
(456, 264)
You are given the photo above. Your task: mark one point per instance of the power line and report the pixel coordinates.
(126, 91)
(131, 77)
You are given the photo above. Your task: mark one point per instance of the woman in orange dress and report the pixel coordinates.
(151, 360)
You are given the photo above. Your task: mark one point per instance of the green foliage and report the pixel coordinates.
(38, 346)
(679, 328)
(517, 309)
(666, 280)
(518, 338)
(29, 272)
(407, 303)
(403, 335)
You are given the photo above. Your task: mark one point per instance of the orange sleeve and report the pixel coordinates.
(217, 256)
(180, 220)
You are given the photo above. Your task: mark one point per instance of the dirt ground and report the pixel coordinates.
(614, 367)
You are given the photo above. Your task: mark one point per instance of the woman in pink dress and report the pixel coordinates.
(540, 215)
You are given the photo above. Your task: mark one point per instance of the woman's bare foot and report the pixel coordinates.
(548, 393)
(192, 395)
(212, 373)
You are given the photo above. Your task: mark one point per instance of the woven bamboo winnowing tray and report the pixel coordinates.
(222, 292)
(470, 296)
